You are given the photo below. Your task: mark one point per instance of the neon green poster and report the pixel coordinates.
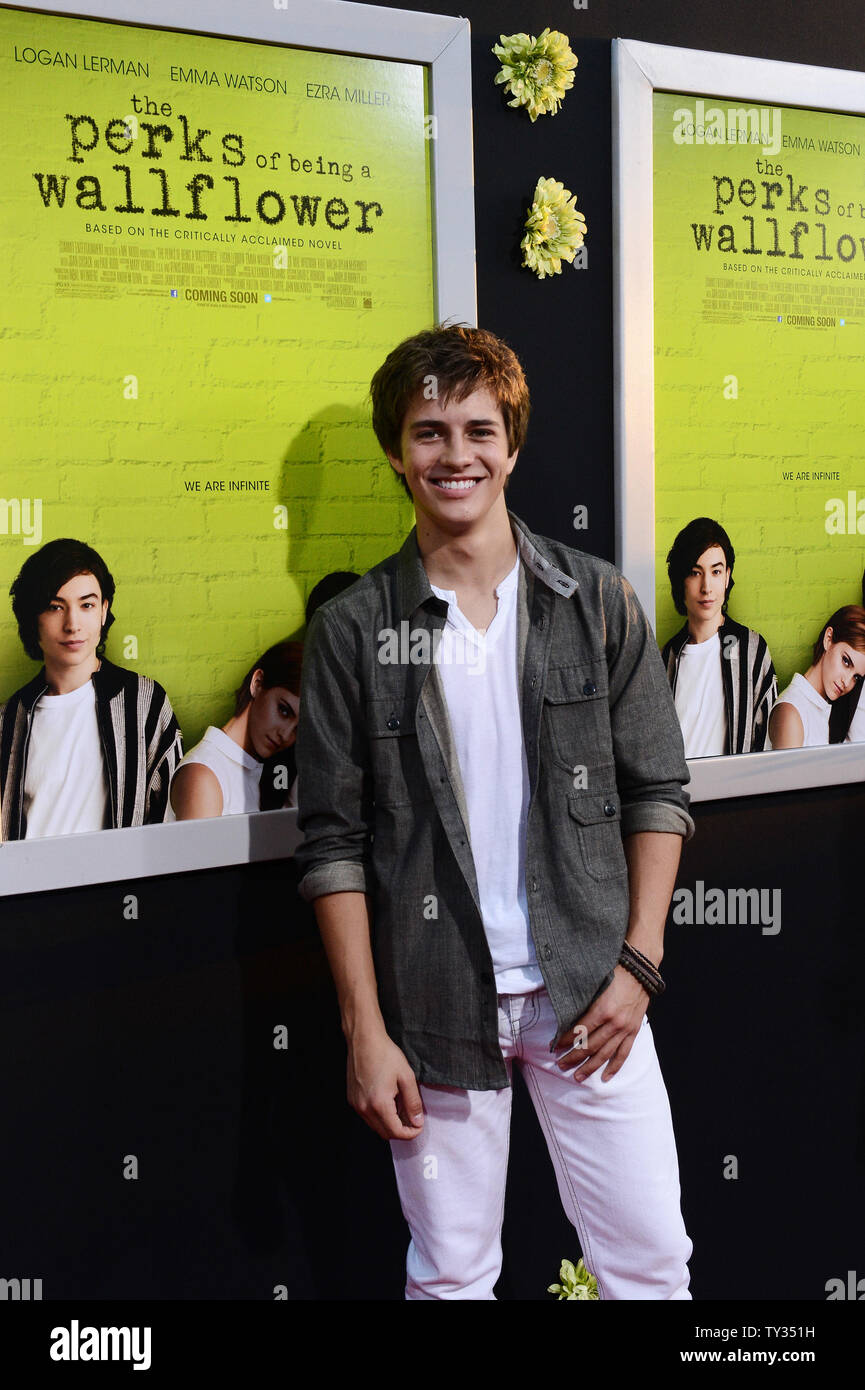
(208, 248)
(759, 272)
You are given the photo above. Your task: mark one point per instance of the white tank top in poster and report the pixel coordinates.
(238, 773)
(813, 710)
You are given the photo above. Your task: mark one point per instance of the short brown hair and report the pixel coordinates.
(456, 360)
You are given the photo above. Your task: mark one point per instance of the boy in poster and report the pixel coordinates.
(85, 745)
(720, 672)
(491, 847)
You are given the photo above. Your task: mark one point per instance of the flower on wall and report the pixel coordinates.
(538, 71)
(576, 1283)
(554, 228)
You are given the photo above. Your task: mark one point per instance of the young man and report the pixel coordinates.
(721, 673)
(482, 837)
(85, 745)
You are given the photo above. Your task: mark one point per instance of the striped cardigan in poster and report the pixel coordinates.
(748, 678)
(141, 745)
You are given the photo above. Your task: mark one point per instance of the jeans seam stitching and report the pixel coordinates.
(552, 1142)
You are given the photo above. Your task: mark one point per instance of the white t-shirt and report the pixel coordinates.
(700, 699)
(813, 710)
(65, 788)
(479, 677)
(237, 772)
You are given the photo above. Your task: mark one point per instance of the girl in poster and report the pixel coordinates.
(221, 776)
(801, 717)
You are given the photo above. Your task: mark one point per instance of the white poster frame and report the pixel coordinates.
(639, 69)
(440, 42)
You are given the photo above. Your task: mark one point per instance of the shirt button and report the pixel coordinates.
(393, 722)
(534, 885)
(534, 682)
(542, 622)
(590, 688)
(609, 808)
(548, 953)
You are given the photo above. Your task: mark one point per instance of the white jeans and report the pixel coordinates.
(612, 1148)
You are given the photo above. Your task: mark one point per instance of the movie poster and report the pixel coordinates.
(759, 321)
(209, 245)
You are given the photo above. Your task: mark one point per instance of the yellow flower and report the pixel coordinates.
(555, 230)
(537, 71)
(576, 1283)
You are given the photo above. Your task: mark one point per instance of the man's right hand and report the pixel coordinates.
(382, 1087)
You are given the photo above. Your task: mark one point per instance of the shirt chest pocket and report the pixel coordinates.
(399, 778)
(576, 716)
(599, 834)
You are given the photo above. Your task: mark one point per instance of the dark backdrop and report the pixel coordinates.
(152, 1039)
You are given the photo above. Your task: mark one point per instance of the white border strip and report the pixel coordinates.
(633, 337)
(335, 26)
(112, 856)
(638, 70)
(788, 769)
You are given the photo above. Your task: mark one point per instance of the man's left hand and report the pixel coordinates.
(611, 1022)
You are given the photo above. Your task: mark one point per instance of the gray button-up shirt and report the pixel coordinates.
(383, 811)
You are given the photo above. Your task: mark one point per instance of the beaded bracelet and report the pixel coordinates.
(641, 968)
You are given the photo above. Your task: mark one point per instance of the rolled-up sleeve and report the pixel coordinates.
(651, 771)
(334, 797)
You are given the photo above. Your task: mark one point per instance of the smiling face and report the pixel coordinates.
(70, 628)
(706, 589)
(455, 458)
(273, 714)
(840, 667)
